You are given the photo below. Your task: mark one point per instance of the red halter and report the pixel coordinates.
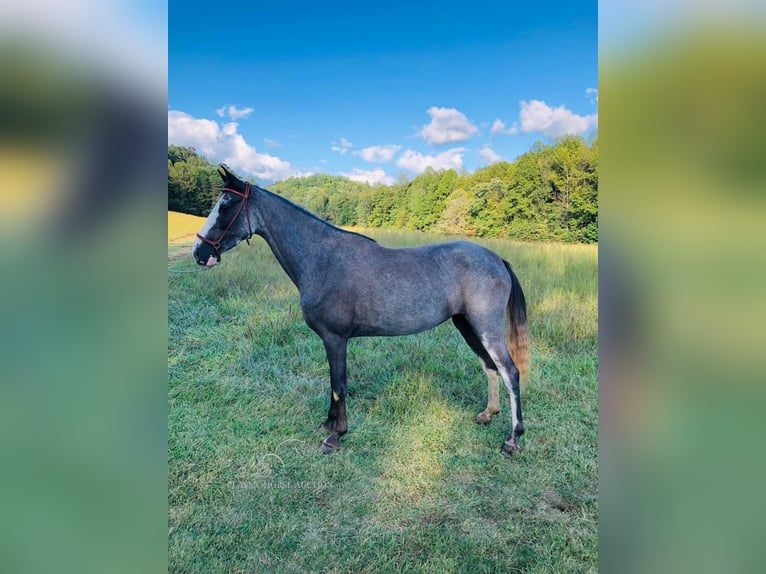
(243, 205)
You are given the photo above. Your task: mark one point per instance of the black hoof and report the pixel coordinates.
(510, 449)
(330, 444)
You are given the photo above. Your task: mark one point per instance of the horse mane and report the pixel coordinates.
(312, 215)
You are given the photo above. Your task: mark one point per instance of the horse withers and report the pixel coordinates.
(351, 286)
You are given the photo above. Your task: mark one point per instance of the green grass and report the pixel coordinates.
(417, 485)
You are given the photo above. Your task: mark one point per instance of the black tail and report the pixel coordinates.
(516, 335)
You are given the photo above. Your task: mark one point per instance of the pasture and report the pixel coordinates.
(417, 486)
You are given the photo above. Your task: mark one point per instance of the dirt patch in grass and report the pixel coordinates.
(553, 502)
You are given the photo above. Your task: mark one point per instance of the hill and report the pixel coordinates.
(549, 193)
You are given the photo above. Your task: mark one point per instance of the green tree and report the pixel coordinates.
(548, 193)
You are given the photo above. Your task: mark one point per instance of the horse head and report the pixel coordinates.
(228, 222)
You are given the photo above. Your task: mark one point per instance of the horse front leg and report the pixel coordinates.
(332, 416)
(336, 423)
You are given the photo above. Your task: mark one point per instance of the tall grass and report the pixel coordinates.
(417, 485)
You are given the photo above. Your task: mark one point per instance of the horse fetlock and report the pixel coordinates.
(327, 426)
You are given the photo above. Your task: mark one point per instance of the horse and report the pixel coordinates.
(351, 286)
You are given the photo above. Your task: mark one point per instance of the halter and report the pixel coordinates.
(243, 204)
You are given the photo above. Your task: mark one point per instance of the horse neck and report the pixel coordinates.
(294, 236)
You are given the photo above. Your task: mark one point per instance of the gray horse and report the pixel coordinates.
(351, 286)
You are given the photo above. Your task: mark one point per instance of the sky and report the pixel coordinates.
(374, 90)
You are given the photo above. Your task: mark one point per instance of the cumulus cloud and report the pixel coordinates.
(498, 127)
(201, 134)
(233, 112)
(447, 125)
(343, 148)
(489, 156)
(224, 144)
(417, 162)
(537, 116)
(372, 177)
(378, 153)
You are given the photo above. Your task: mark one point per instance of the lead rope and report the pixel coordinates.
(189, 270)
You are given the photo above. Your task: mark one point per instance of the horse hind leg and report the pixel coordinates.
(493, 379)
(493, 396)
(499, 353)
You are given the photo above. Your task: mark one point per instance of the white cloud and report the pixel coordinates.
(343, 148)
(447, 125)
(537, 116)
(372, 177)
(380, 153)
(225, 145)
(417, 162)
(203, 135)
(592, 94)
(271, 143)
(498, 127)
(233, 112)
(489, 156)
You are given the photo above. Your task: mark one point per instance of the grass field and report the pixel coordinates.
(182, 227)
(417, 486)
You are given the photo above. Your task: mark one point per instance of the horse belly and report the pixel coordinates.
(399, 311)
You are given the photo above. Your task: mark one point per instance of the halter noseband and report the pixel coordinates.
(243, 205)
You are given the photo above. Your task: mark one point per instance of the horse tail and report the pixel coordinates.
(516, 335)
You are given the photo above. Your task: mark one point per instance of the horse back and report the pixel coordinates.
(374, 290)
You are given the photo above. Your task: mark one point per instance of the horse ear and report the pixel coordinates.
(225, 175)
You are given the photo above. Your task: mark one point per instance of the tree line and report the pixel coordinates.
(549, 193)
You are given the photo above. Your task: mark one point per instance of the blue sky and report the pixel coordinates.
(372, 90)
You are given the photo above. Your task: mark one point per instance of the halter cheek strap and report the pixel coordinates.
(216, 245)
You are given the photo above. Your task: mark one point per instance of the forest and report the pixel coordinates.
(549, 193)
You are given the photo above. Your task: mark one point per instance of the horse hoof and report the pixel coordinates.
(510, 449)
(330, 444)
(483, 418)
